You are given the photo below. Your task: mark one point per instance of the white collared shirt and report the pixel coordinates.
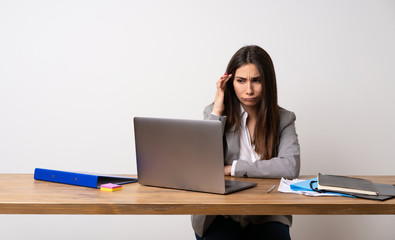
(247, 149)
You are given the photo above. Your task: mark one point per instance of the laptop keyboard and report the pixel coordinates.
(233, 186)
(233, 183)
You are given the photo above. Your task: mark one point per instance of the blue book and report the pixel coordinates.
(79, 179)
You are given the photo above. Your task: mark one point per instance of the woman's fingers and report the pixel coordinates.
(222, 81)
(219, 96)
(228, 170)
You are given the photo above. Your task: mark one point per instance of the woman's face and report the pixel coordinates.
(248, 85)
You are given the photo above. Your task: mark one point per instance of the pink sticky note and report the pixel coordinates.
(110, 185)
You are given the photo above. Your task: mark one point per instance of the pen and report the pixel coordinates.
(271, 188)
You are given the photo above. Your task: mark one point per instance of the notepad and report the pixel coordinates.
(109, 187)
(345, 184)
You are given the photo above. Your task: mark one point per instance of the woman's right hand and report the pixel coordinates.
(219, 95)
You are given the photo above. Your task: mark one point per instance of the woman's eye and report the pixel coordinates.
(240, 80)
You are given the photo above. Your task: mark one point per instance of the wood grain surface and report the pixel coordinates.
(21, 194)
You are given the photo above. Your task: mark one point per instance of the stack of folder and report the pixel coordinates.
(345, 186)
(356, 187)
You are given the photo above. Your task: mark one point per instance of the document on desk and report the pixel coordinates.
(285, 187)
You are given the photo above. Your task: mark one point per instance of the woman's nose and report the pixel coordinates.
(250, 89)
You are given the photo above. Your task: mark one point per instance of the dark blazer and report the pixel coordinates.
(286, 164)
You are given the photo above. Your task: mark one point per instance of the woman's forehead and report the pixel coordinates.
(247, 70)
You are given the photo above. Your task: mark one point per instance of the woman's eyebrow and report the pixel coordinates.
(243, 78)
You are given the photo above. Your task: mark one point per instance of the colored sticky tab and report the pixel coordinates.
(109, 187)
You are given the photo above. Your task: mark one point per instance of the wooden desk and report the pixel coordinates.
(21, 194)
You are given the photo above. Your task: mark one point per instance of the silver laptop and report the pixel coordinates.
(182, 154)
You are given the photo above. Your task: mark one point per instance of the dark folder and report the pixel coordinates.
(346, 184)
(357, 187)
(79, 179)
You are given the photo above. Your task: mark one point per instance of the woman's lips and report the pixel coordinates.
(250, 99)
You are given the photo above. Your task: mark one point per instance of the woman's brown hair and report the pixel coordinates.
(266, 128)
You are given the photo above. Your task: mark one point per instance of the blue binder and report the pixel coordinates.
(79, 179)
(305, 186)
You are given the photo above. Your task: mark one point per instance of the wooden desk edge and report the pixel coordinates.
(214, 209)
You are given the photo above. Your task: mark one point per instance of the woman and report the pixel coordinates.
(261, 142)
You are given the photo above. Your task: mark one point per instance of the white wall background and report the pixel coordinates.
(74, 73)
